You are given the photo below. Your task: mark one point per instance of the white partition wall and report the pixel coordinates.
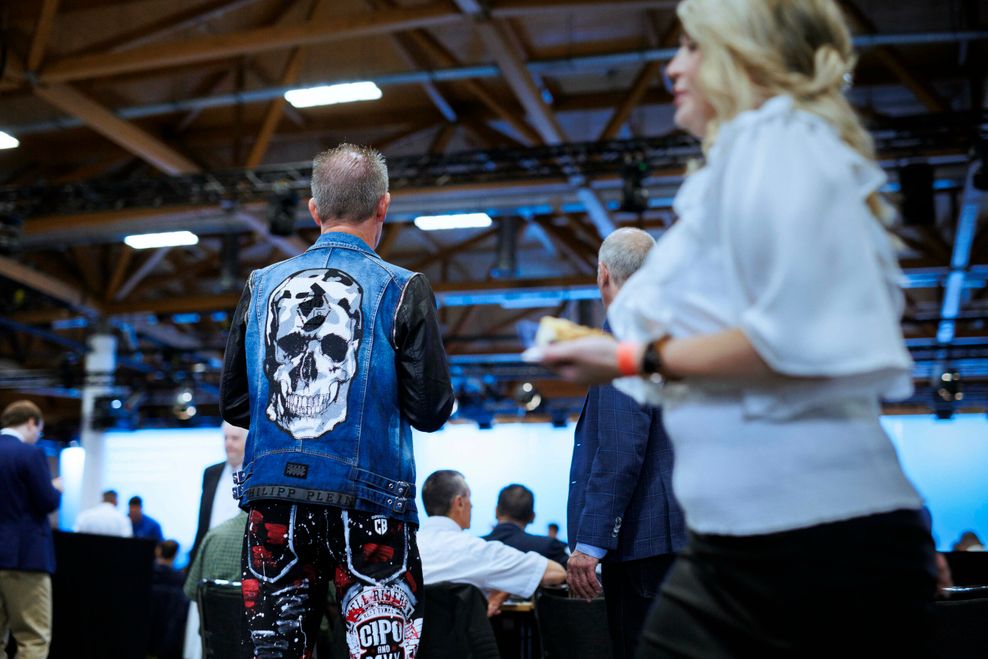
(947, 460)
(533, 454)
(164, 468)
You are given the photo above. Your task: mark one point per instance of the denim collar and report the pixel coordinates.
(343, 239)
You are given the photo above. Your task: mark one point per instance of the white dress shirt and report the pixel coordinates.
(104, 519)
(774, 237)
(450, 554)
(224, 505)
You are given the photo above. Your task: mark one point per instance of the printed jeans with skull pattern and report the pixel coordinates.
(291, 551)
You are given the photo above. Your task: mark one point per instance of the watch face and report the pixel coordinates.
(652, 360)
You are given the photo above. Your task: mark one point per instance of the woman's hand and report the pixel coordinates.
(592, 360)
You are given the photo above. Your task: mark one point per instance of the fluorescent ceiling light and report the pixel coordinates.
(169, 239)
(457, 221)
(346, 92)
(8, 141)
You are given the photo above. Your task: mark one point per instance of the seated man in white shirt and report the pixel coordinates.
(448, 554)
(105, 519)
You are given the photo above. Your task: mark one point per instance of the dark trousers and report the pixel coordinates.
(291, 551)
(629, 589)
(862, 587)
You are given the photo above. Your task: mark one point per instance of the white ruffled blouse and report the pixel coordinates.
(775, 237)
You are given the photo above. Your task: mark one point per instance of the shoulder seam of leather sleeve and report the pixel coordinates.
(401, 300)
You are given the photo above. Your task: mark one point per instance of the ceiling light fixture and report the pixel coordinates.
(346, 92)
(8, 141)
(168, 239)
(454, 221)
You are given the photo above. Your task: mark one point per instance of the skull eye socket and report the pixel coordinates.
(292, 344)
(335, 346)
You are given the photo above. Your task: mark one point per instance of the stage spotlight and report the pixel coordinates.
(950, 389)
(916, 194)
(634, 196)
(282, 206)
(10, 232)
(184, 409)
(527, 396)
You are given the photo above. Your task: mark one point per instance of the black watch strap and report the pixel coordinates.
(652, 359)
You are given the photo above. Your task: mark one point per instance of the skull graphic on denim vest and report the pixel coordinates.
(313, 331)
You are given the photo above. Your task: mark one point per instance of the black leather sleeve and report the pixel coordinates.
(234, 394)
(424, 387)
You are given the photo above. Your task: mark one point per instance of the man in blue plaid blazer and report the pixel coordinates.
(621, 511)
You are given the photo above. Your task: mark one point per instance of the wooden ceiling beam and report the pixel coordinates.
(400, 44)
(190, 51)
(288, 245)
(520, 81)
(142, 271)
(489, 135)
(442, 138)
(445, 59)
(181, 20)
(126, 253)
(103, 121)
(450, 250)
(526, 8)
(50, 286)
(289, 76)
(88, 261)
(184, 304)
(404, 134)
(461, 321)
(638, 88)
(924, 92)
(42, 30)
(388, 239)
(228, 301)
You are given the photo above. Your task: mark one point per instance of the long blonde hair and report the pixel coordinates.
(756, 49)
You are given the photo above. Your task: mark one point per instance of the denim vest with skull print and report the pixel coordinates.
(325, 422)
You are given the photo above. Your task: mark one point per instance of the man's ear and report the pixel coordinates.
(314, 212)
(382, 207)
(603, 275)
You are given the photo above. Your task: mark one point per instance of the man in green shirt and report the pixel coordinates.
(219, 554)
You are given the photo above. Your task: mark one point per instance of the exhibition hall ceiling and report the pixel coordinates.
(553, 117)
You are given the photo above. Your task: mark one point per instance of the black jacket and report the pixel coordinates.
(210, 481)
(515, 536)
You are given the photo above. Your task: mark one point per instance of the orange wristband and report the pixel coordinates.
(627, 357)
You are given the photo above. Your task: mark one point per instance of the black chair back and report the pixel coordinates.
(221, 618)
(960, 624)
(572, 628)
(455, 623)
(968, 568)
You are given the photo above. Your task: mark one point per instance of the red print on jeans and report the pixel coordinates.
(375, 553)
(261, 558)
(250, 589)
(277, 533)
(254, 520)
(343, 580)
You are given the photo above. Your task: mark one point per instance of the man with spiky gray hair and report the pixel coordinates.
(332, 357)
(621, 511)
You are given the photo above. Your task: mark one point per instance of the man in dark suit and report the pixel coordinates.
(27, 554)
(515, 511)
(217, 503)
(621, 510)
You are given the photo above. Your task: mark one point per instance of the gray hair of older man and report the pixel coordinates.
(624, 251)
(347, 182)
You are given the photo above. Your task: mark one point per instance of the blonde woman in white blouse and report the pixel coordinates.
(766, 322)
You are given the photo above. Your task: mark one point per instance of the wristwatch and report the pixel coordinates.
(652, 359)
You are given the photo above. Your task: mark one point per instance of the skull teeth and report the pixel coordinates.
(308, 406)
